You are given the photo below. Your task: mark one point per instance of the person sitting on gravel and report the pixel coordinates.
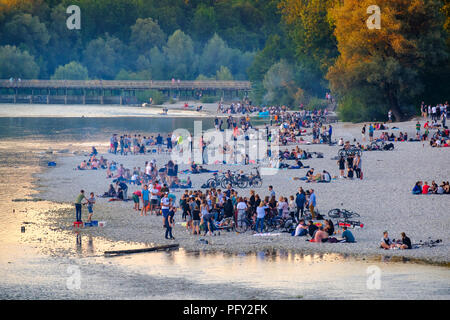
(386, 242)
(347, 236)
(320, 235)
(301, 230)
(417, 188)
(312, 228)
(406, 242)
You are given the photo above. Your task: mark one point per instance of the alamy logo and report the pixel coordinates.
(74, 21)
(74, 280)
(374, 278)
(374, 20)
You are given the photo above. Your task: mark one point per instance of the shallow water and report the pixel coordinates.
(34, 264)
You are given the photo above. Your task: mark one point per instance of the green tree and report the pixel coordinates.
(181, 59)
(204, 23)
(146, 34)
(104, 56)
(311, 32)
(16, 63)
(27, 32)
(71, 71)
(279, 84)
(215, 54)
(224, 74)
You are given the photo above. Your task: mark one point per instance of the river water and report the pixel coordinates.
(43, 262)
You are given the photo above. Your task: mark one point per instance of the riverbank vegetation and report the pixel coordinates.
(293, 51)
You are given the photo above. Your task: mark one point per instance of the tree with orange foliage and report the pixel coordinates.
(383, 69)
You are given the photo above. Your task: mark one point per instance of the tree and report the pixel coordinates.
(279, 84)
(224, 74)
(26, 31)
(311, 31)
(71, 71)
(16, 63)
(146, 34)
(215, 54)
(384, 66)
(180, 56)
(104, 56)
(204, 23)
(158, 64)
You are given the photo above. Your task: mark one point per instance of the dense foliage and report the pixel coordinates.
(293, 51)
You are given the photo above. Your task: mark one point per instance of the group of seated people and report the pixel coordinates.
(322, 233)
(323, 177)
(295, 154)
(391, 137)
(93, 163)
(404, 243)
(434, 188)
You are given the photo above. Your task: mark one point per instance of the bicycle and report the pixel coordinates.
(352, 151)
(342, 214)
(254, 180)
(215, 181)
(234, 180)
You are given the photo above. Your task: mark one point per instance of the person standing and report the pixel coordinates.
(371, 130)
(169, 222)
(300, 199)
(78, 200)
(312, 203)
(330, 132)
(390, 115)
(145, 195)
(341, 163)
(90, 206)
(260, 214)
(165, 207)
(363, 133)
(357, 166)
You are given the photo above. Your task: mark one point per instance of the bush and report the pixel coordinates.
(209, 99)
(144, 96)
(316, 103)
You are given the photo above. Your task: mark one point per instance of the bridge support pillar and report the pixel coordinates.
(84, 99)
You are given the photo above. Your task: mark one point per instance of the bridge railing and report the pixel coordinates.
(126, 84)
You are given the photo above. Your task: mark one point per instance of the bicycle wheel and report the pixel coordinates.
(211, 183)
(241, 183)
(334, 213)
(353, 214)
(225, 182)
(256, 182)
(268, 225)
(241, 226)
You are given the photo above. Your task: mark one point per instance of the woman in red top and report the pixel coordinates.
(425, 188)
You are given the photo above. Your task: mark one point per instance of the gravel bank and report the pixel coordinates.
(383, 199)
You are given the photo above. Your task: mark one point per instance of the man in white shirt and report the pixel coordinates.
(153, 198)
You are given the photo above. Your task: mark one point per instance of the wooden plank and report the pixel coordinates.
(130, 251)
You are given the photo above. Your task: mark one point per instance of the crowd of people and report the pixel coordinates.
(424, 188)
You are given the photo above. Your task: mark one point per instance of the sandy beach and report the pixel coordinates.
(383, 199)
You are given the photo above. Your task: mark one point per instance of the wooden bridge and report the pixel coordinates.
(112, 91)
